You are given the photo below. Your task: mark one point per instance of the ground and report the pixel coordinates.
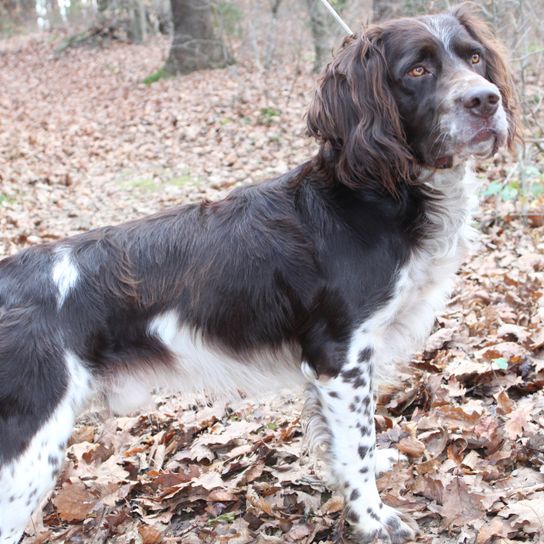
(84, 143)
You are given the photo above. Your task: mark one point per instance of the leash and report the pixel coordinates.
(339, 19)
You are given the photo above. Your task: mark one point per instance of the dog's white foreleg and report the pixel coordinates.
(346, 404)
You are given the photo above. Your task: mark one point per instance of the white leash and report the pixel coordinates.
(339, 19)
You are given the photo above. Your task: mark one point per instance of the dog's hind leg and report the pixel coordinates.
(30, 457)
(342, 410)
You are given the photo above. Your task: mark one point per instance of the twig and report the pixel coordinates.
(526, 55)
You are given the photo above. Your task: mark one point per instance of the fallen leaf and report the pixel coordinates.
(74, 501)
(460, 505)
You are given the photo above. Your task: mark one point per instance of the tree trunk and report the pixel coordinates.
(196, 44)
(164, 16)
(319, 25)
(138, 21)
(15, 14)
(9, 8)
(272, 34)
(29, 17)
(53, 13)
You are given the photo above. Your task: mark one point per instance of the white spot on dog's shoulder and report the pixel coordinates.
(64, 273)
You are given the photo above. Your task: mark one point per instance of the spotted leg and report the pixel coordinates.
(345, 406)
(24, 481)
(32, 446)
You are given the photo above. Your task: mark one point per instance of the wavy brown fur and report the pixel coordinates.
(355, 117)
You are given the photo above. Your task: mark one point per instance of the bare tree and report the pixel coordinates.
(15, 14)
(164, 16)
(196, 43)
(319, 21)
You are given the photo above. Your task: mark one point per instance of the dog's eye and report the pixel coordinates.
(418, 71)
(476, 58)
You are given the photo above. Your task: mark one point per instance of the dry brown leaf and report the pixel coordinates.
(208, 480)
(258, 502)
(412, 447)
(435, 441)
(518, 420)
(466, 367)
(496, 528)
(460, 505)
(84, 433)
(529, 514)
(149, 535)
(431, 487)
(250, 474)
(298, 532)
(221, 495)
(437, 340)
(74, 501)
(333, 505)
(508, 350)
(504, 403)
(169, 479)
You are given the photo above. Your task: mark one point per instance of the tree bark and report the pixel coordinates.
(15, 14)
(320, 34)
(196, 44)
(138, 21)
(164, 16)
(53, 13)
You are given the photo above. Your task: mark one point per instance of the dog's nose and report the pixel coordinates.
(482, 101)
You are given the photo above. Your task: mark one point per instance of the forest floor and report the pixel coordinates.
(84, 143)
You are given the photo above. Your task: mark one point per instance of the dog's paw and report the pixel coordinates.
(385, 459)
(384, 525)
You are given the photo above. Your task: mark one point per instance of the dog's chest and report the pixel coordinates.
(425, 282)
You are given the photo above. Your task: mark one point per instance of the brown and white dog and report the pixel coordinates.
(330, 275)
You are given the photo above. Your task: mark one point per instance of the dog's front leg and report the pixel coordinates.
(343, 408)
(31, 445)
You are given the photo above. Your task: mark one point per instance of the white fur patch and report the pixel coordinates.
(203, 369)
(347, 407)
(64, 273)
(385, 459)
(441, 27)
(25, 480)
(457, 123)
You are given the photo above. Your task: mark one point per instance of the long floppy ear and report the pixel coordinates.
(469, 15)
(355, 117)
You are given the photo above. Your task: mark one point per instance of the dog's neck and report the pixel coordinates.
(444, 180)
(453, 201)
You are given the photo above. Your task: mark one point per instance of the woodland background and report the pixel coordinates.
(97, 128)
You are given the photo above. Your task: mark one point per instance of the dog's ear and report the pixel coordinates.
(355, 117)
(469, 15)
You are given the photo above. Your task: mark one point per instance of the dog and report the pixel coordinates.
(329, 276)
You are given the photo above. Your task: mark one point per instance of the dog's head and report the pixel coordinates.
(413, 93)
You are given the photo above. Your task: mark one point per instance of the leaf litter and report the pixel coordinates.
(84, 143)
